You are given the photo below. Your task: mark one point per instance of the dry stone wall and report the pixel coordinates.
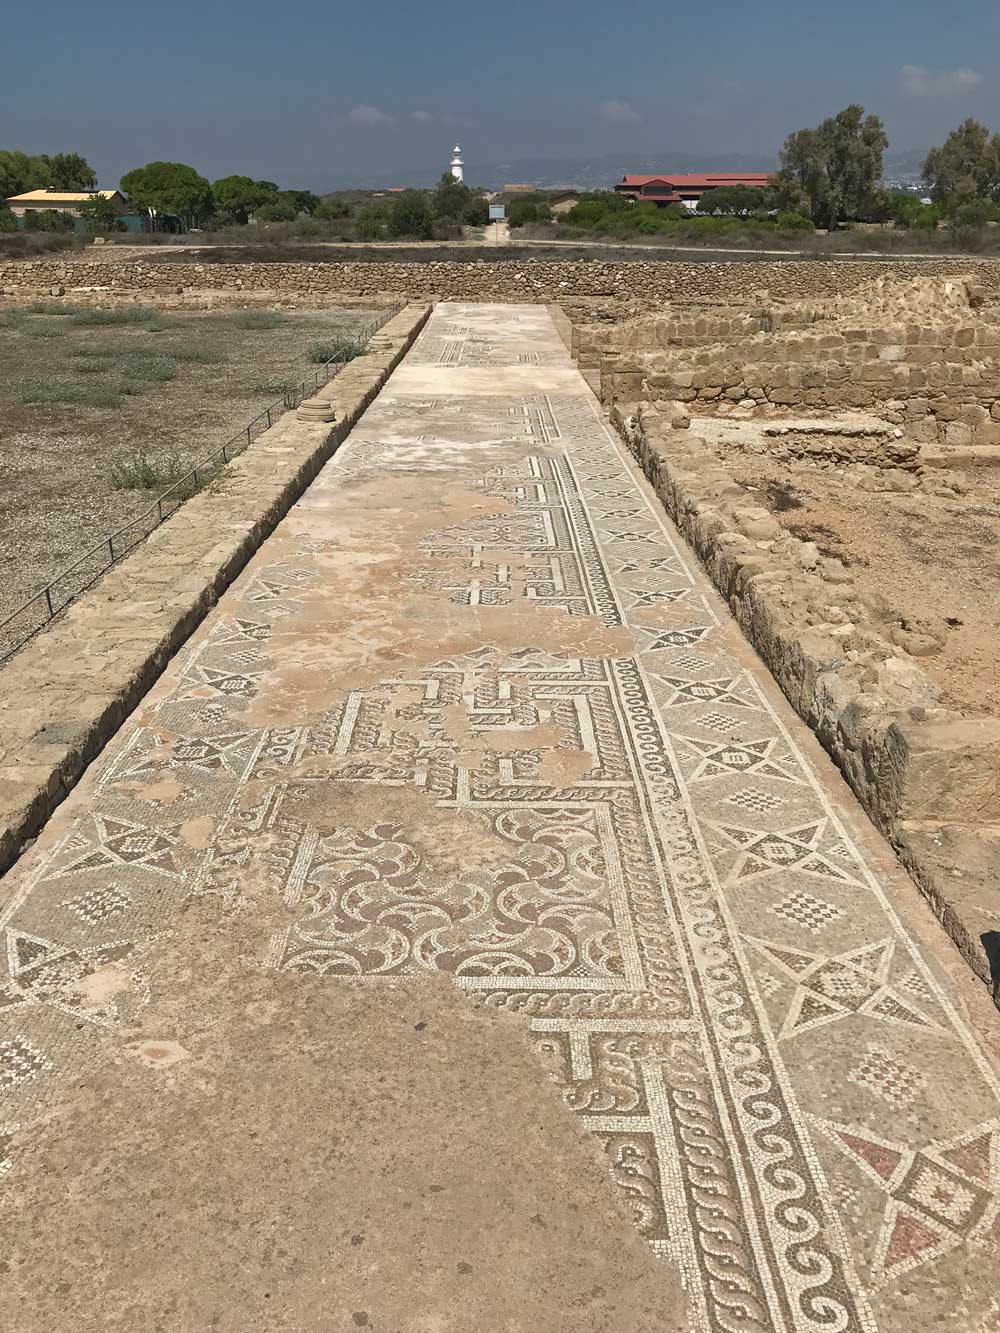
(937, 375)
(653, 281)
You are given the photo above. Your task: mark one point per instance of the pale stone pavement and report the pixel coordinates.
(470, 760)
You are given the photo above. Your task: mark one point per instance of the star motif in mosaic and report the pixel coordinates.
(634, 538)
(941, 1195)
(123, 843)
(756, 757)
(678, 638)
(684, 692)
(205, 680)
(829, 989)
(666, 597)
(203, 754)
(663, 564)
(749, 854)
(43, 972)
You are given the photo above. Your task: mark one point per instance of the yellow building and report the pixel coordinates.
(63, 201)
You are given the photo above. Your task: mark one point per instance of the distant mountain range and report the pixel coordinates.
(592, 173)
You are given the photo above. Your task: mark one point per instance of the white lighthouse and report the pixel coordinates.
(457, 165)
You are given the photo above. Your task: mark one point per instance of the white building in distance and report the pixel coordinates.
(457, 165)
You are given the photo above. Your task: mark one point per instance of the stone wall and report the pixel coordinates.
(652, 281)
(941, 394)
(925, 355)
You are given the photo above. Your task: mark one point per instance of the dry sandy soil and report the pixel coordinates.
(930, 562)
(60, 459)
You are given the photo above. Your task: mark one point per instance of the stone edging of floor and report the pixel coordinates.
(928, 778)
(68, 690)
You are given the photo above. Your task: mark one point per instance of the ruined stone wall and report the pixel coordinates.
(941, 381)
(591, 341)
(651, 281)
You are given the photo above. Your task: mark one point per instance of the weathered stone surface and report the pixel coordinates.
(958, 869)
(275, 1152)
(947, 769)
(471, 715)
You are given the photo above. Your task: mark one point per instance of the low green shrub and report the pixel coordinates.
(344, 349)
(148, 472)
(44, 328)
(149, 367)
(70, 391)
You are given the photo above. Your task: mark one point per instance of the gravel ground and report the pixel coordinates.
(60, 461)
(927, 559)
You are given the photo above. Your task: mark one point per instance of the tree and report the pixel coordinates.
(476, 213)
(410, 215)
(305, 201)
(239, 196)
(371, 221)
(521, 211)
(101, 213)
(836, 166)
(170, 187)
(63, 171)
(19, 172)
(48, 219)
(71, 172)
(965, 167)
(332, 209)
(280, 209)
(451, 199)
(733, 201)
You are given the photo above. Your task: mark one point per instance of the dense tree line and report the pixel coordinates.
(20, 172)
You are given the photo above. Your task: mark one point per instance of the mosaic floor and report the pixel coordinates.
(474, 710)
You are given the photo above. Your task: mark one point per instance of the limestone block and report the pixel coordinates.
(958, 432)
(945, 769)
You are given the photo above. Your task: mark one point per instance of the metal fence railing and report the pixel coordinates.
(35, 613)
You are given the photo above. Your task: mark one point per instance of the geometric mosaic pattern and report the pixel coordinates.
(652, 875)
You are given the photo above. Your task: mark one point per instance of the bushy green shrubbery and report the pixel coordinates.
(616, 216)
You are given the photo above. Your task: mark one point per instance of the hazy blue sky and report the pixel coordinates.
(302, 91)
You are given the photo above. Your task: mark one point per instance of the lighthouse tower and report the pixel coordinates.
(457, 165)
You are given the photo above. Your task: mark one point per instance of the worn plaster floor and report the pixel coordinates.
(471, 760)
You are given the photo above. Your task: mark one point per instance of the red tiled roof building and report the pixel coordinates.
(671, 188)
